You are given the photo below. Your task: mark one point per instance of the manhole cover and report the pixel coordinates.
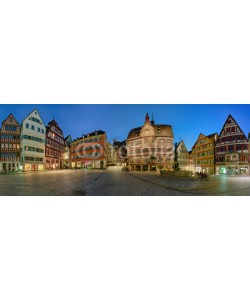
(79, 193)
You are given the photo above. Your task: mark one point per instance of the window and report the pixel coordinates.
(27, 125)
(38, 129)
(42, 130)
(32, 127)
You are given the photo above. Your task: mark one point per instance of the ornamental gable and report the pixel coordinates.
(231, 128)
(10, 121)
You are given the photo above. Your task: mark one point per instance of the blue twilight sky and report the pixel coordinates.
(187, 120)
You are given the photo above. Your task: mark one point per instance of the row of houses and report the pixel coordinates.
(32, 146)
(150, 148)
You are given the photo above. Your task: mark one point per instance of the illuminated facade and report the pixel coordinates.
(120, 153)
(150, 147)
(110, 154)
(33, 142)
(68, 141)
(55, 146)
(10, 145)
(183, 160)
(203, 153)
(232, 149)
(89, 151)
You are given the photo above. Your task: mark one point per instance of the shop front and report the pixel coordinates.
(233, 170)
(33, 167)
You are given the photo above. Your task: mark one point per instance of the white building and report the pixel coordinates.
(33, 134)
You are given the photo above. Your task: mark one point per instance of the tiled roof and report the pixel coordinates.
(159, 130)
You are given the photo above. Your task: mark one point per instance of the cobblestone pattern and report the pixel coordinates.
(116, 183)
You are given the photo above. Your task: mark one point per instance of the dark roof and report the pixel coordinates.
(134, 132)
(211, 136)
(165, 130)
(118, 144)
(53, 122)
(68, 140)
(94, 133)
(68, 137)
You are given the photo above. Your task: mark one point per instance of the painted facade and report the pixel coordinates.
(10, 145)
(203, 153)
(150, 147)
(55, 146)
(89, 151)
(232, 149)
(33, 134)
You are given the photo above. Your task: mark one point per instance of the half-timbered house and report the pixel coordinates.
(232, 149)
(10, 145)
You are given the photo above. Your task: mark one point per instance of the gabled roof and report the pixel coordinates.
(31, 113)
(68, 138)
(230, 116)
(8, 118)
(53, 122)
(178, 144)
(202, 136)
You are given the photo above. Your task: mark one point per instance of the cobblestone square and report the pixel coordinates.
(117, 183)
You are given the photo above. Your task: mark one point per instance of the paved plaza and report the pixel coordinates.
(115, 182)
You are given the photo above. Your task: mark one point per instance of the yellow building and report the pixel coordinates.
(203, 153)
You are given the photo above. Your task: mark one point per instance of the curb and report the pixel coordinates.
(187, 190)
